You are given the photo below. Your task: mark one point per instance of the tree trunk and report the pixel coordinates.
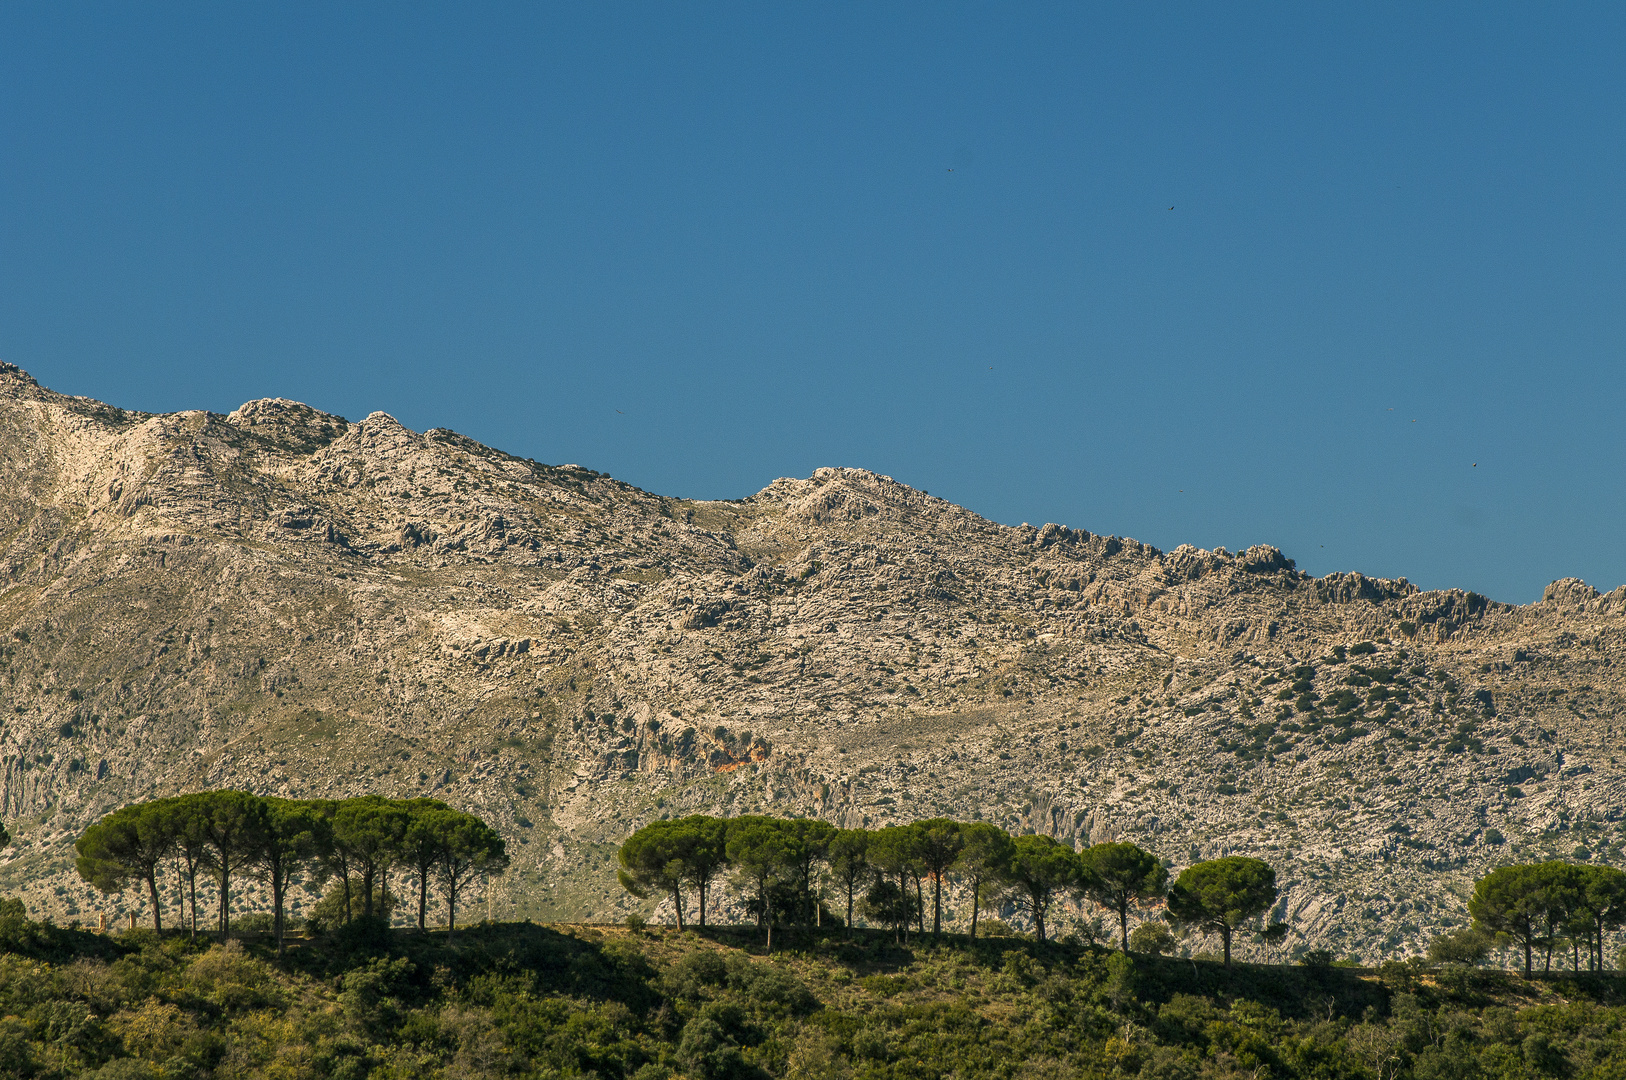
(423, 899)
(1123, 928)
(851, 885)
(225, 899)
(276, 905)
(937, 905)
(976, 904)
(1225, 936)
(192, 894)
(180, 890)
(677, 903)
(152, 888)
(704, 881)
(903, 889)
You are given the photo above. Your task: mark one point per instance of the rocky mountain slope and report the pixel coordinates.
(282, 600)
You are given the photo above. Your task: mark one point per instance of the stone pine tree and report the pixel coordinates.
(940, 845)
(848, 860)
(1537, 905)
(295, 835)
(1223, 895)
(336, 859)
(183, 820)
(1603, 908)
(706, 855)
(894, 853)
(761, 851)
(1039, 870)
(1120, 875)
(468, 848)
(983, 858)
(420, 849)
(654, 858)
(371, 831)
(234, 826)
(811, 844)
(1510, 900)
(130, 844)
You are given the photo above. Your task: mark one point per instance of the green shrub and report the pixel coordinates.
(1151, 937)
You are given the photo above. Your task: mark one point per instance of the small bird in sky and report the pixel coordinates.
(1171, 208)
(1390, 409)
(618, 412)
(951, 170)
(1476, 464)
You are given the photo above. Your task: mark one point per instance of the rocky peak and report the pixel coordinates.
(1569, 592)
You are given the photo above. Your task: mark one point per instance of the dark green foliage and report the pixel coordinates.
(1468, 945)
(1222, 895)
(848, 859)
(1118, 876)
(1039, 870)
(891, 905)
(1152, 937)
(223, 833)
(762, 851)
(128, 844)
(532, 1003)
(1542, 906)
(983, 859)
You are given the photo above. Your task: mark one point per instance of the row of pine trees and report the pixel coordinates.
(221, 835)
(1546, 906)
(783, 867)
(780, 865)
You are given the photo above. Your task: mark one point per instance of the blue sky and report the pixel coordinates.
(1348, 279)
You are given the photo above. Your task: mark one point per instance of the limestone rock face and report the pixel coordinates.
(284, 601)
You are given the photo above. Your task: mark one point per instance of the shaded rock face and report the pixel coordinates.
(288, 602)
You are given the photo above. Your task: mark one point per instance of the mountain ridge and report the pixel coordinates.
(281, 599)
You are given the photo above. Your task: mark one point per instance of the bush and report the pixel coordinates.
(328, 915)
(1466, 946)
(1151, 937)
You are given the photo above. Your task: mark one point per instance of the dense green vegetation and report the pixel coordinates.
(819, 998)
(530, 1001)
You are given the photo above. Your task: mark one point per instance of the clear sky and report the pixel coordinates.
(1348, 279)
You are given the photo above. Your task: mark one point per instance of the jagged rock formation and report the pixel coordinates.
(285, 601)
